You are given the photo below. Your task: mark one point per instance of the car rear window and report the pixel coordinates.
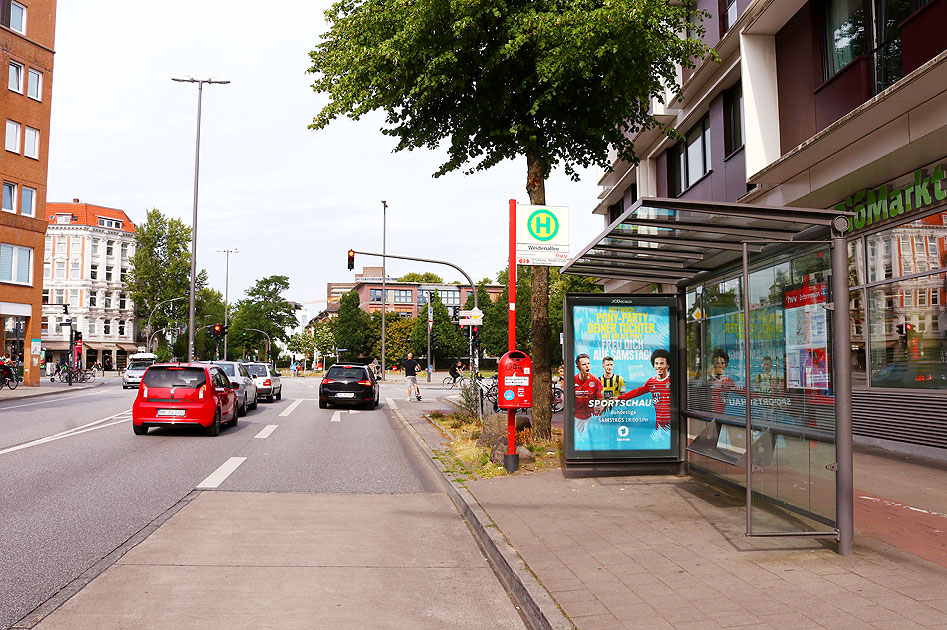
(347, 373)
(138, 365)
(186, 377)
(227, 368)
(256, 370)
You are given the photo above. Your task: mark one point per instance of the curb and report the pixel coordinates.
(38, 393)
(537, 605)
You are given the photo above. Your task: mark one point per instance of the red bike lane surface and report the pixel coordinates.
(919, 531)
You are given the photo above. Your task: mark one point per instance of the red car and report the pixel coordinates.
(184, 394)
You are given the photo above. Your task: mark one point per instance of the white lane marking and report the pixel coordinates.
(218, 476)
(291, 408)
(266, 432)
(91, 426)
(49, 400)
(336, 417)
(353, 411)
(391, 403)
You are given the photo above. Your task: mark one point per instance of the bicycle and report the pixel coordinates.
(558, 397)
(8, 377)
(460, 382)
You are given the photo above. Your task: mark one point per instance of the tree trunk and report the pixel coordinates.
(539, 306)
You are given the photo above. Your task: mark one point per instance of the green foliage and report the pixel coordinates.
(264, 308)
(565, 80)
(559, 285)
(351, 327)
(396, 342)
(323, 336)
(421, 278)
(302, 343)
(447, 340)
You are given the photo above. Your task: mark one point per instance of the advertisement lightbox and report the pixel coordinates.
(621, 378)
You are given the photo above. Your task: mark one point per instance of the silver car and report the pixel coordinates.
(267, 380)
(247, 392)
(131, 377)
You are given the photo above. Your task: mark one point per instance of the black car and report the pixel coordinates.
(350, 385)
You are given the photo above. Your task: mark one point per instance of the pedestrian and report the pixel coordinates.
(376, 368)
(411, 375)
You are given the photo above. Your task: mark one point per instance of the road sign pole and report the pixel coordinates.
(511, 461)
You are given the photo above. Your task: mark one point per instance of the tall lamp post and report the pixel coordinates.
(227, 294)
(384, 292)
(175, 299)
(197, 169)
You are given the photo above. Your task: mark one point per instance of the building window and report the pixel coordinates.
(63, 219)
(34, 85)
(108, 274)
(124, 250)
(403, 296)
(91, 328)
(73, 297)
(690, 161)
(27, 201)
(844, 32)
(92, 298)
(94, 272)
(450, 297)
(109, 223)
(9, 197)
(95, 247)
(908, 297)
(14, 17)
(59, 296)
(935, 297)
(123, 274)
(108, 300)
(109, 248)
(121, 328)
(12, 139)
(31, 143)
(60, 269)
(121, 301)
(45, 296)
(733, 122)
(15, 78)
(76, 244)
(932, 246)
(47, 270)
(922, 297)
(74, 270)
(107, 327)
(16, 264)
(45, 330)
(728, 15)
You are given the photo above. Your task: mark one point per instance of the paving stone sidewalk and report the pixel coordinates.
(670, 552)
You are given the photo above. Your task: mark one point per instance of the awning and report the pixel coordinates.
(671, 241)
(128, 347)
(55, 345)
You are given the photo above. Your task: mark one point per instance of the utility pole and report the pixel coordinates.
(430, 326)
(227, 294)
(384, 277)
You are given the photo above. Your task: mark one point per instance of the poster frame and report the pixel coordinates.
(572, 456)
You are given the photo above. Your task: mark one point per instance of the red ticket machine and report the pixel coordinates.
(515, 381)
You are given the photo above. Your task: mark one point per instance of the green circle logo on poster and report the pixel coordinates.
(543, 225)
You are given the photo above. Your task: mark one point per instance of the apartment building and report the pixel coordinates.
(26, 57)
(88, 252)
(824, 104)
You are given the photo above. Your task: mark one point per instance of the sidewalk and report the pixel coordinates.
(46, 388)
(668, 552)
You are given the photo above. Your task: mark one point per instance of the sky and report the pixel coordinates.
(292, 200)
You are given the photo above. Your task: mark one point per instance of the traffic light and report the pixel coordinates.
(908, 328)
(78, 336)
(351, 259)
(475, 336)
(217, 331)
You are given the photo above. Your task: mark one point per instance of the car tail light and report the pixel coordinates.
(144, 391)
(266, 383)
(364, 382)
(327, 380)
(200, 392)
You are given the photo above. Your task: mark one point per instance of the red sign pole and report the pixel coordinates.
(511, 461)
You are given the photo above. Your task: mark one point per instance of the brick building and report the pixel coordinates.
(26, 57)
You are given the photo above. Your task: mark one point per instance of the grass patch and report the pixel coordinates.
(465, 429)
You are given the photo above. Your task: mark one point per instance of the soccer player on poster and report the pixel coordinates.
(612, 384)
(659, 387)
(588, 389)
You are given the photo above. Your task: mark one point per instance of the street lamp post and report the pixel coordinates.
(384, 292)
(180, 297)
(267, 341)
(227, 294)
(197, 168)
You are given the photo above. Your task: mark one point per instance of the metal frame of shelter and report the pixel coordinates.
(676, 241)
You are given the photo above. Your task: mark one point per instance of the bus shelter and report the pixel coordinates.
(761, 377)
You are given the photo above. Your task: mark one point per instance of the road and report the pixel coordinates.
(78, 484)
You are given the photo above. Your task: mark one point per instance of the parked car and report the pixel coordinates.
(350, 385)
(182, 394)
(267, 380)
(247, 392)
(131, 377)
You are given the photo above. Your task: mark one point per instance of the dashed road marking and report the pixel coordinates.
(123, 416)
(391, 403)
(336, 417)
(291, 408)
(266, 432)
(220, 475)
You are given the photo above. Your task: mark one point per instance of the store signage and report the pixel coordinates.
(873, 206)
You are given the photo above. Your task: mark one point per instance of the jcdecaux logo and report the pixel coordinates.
(543, 225)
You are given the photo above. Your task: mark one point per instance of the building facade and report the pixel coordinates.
(88, 253)
(820, 104)
(26, 54)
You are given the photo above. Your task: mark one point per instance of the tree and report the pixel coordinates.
(264, 308)
(559, 285)
(323, 337)
(447, 340)
(397, 342)
(421, 278)
(557, 81)
(159, 270)
(351, 327)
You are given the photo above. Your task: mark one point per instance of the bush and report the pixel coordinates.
(469, 399)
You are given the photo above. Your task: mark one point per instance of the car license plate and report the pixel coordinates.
(170, 412)
(345, 395)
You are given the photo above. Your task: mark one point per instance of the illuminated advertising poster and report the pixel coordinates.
(621, 377)
(806, 326)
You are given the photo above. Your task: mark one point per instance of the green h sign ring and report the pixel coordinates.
(543, 225)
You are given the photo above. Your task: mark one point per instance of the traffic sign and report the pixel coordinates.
(542, 235)
(473, 312)
(471, 321)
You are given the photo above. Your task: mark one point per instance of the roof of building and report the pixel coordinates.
(88, 214)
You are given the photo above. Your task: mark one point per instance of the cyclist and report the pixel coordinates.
(454, 371)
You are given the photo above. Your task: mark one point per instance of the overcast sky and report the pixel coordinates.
(292, 200)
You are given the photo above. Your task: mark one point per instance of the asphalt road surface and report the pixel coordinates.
(78, 484)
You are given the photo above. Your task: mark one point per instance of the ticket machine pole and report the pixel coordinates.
(511, 461)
